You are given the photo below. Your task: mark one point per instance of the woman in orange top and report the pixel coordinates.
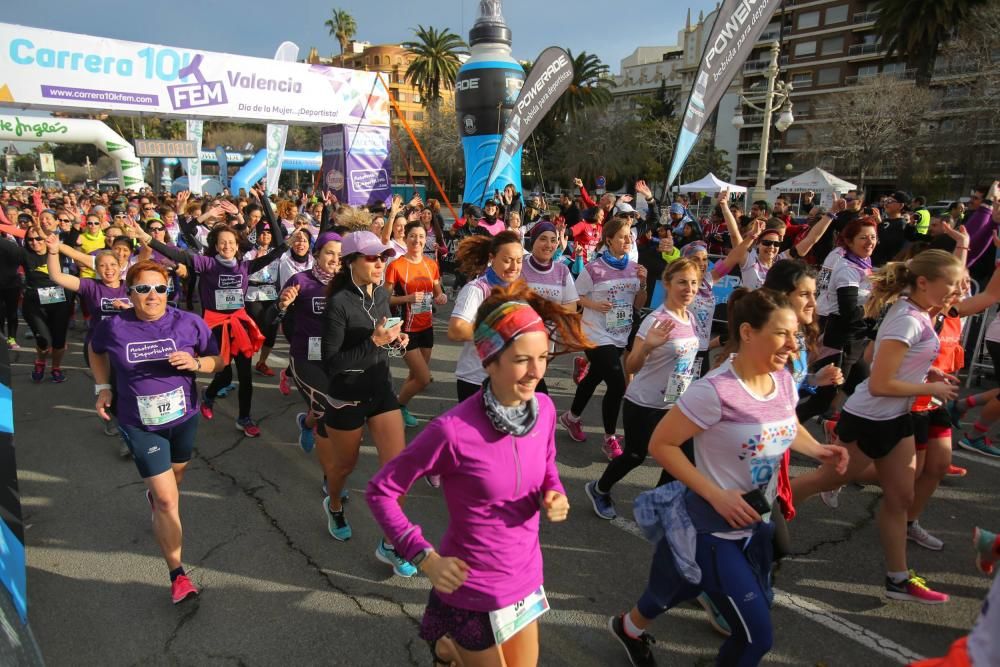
(414, 284)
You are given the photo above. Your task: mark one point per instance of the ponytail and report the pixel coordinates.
(893, 279)
(473, 254)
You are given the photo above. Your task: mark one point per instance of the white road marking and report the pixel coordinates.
(957, 453)
(811, 610)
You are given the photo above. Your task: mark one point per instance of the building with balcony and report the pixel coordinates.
(828, 48)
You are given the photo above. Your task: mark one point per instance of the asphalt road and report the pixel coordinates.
(278, 590)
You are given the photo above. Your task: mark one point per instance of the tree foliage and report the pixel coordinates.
(436, 62)
(343, 27)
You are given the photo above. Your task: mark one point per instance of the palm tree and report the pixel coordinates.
(343, 27)
(589, 89)
(435, 64)
(916, 29)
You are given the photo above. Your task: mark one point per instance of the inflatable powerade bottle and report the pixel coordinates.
(485, 91)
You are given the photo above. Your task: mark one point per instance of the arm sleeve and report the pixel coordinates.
(551, 482)
(324, 219)
(904, 329)
(839, 326)
(585, 196)
(468, 302)
(336, 359)
(171, 252)
(277, 235)
(267, 211)
(257, 263)
(430, 453)
(700, 403)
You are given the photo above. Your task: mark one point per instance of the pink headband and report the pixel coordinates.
(501, 327)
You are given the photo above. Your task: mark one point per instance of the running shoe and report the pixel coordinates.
(914, 589)
(980, 445)
(110, 427)
(604, 506)
(433, 481)
(307, 440)
(574, 426)
(956, 471)
(283, 385)
(12, 344)
(38, 372)
(612, 447)
(831, 498)
(58, 377)
(222, 393)
(248, 426)
(336, 523)
(987, 549)
(955, 412)
(580, 369)
(916, 533)
(637, 650)
(263, 369)
(715, 617)
(206, 406)
(181, 589)
(409, 421)
(830, 431)
(388, 555)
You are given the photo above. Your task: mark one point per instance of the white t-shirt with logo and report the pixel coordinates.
(601, 282)
(911, 325)
(668, 369)
(553, 284)
(755, 273)
(745, 435)
(825, 271)
(470, 366)
(703, 309)
(845, 274)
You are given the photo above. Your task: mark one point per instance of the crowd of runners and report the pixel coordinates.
(717, 338)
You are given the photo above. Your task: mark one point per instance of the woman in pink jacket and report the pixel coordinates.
(495, 454)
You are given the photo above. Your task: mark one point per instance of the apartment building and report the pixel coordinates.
(828, 48)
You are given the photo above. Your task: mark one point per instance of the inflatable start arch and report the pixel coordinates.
(77, 131)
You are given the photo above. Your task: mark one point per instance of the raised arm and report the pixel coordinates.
(736, 256)
(72, 283)
(727, 215)
(815, 234)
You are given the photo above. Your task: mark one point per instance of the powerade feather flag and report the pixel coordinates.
(550, 77)
(737, 27)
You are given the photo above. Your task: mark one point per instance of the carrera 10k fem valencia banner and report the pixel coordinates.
(46, 69)
(550, 77)
(736, 29)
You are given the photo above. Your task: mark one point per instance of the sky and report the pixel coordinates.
(244, 28)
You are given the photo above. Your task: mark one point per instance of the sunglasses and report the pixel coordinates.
(771, 244)
(120, 215)
(92, 223)
(890, 200)
(148, 208)
(371, 259)
(64, 220)
(144, 289)
(155, 229)
(32, 239)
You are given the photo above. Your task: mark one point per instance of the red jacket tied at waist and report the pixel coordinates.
(240, 334)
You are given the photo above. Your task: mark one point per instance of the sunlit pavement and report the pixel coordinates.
(277, 589)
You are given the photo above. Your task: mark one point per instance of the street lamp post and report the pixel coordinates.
(777, 95)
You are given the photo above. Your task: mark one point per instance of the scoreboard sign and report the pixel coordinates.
(179, 148)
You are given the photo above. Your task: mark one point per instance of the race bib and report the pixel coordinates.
(619, 318)
(422, 305)
(228, 299)
(47, 295)
(267, 293)
(677, 384)
(161, 408)
(508, 621)
(315, 349)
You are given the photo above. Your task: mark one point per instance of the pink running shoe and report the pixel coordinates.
(181, 589)
(283, 383)
(830, 431)
(574, 426)
(987, 547)
(248, 426)
(612, 448)
(580, 368)
(914, 589)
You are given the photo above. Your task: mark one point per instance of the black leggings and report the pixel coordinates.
(49, 323)
(855, 370)
(9, 300)
(225, 377)
(606, 367)
(256, 310)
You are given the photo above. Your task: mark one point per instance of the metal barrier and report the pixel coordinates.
(981, 363)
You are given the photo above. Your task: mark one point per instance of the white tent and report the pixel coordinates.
(815, 179)
(711, 183)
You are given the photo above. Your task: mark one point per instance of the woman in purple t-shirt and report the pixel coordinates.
(495, 454)
(154, 352)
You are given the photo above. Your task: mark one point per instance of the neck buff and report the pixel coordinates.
(538, 266)
(231, 263)
(493, 278)
(863, 262)
(517, 420)
(321, 275)
(619, 264)
(502, 326)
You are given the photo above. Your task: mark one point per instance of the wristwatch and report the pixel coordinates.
(98, 388)
(420, 557)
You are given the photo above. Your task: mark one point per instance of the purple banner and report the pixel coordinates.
(333, 161)
(369, 169)
(92, 95)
